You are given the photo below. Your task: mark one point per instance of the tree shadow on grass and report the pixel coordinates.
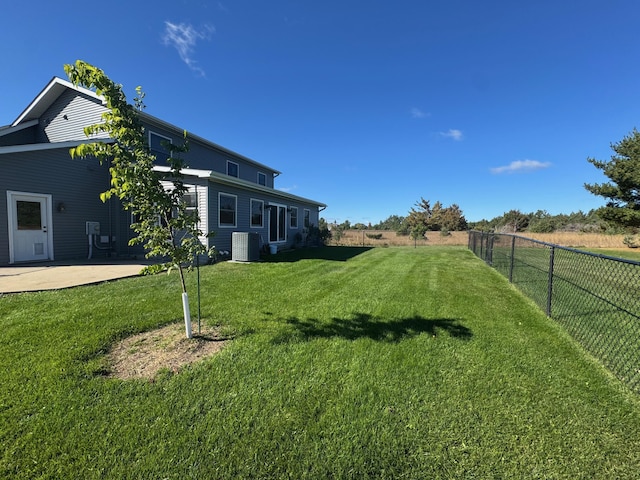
(363, 325)
(336, 254)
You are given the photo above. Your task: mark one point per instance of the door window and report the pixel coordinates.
(29, 215)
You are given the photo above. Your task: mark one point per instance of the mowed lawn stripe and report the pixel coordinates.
(379, 363)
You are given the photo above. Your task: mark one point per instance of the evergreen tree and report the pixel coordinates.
(623, 191)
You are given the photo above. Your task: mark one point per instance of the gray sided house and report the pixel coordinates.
(50, 207)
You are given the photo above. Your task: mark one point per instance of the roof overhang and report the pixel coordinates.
(34, 147)
(222, 179)
(57, 86)
(192, 137)
(47, 96)
(16, 128)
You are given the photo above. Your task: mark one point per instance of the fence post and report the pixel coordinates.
(550, 282)
(511, 262)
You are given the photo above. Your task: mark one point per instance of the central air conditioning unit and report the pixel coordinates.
(245, 247)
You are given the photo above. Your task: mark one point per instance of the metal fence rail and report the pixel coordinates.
(596, 298)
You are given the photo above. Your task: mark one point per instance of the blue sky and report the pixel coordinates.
(366, 106)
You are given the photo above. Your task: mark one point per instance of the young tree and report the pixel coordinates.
(418, 231)
(163, 224)
(623, 191)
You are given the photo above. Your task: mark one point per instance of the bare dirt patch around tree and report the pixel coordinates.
(145, 354)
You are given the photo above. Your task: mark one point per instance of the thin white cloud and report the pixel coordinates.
(184, 37)
(453, 134)
(417, 113)
(521, 166)
(288, 189)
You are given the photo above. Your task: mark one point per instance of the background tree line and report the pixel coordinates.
(423, 218)
(620, 214)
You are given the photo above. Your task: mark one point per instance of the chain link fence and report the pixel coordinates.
(596, 298)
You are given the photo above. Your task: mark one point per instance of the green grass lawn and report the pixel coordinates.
(345, 363)
(628, 253)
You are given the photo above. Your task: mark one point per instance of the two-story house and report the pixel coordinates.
(52, 205)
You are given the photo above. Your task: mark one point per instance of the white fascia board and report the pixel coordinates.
(48, 95)
(223, 179)
(190, 172)
(226, 180)
(34, 147)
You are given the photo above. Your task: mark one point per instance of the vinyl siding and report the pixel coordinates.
(75, 183)
(80, 111)
(20, 137)
(223, 237)
(199, 187)
(78, 183)
(205, 157)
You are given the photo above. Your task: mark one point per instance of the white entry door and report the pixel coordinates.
(30, 234)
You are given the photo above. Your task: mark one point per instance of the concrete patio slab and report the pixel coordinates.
(57, 275)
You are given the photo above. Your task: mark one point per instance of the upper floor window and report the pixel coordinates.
(293, 217)
(232, 169)
(158, 146)
(262, 179)
(257, 207)
(227, 207)
(307, 217)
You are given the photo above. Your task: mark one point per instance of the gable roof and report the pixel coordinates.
(220, 178)
(57, 86)
(47, 96)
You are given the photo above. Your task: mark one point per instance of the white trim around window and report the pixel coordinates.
(156, 147)
(262, 179)
(307, 218)
(293, 217)
(233, 169)
(227, 217)
(255, 203)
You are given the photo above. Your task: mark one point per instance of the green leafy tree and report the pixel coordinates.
(324, 234)
(541, 222)
(514, 221)
(481, 225)
(623, 191)
(393, 222)
(156, 199)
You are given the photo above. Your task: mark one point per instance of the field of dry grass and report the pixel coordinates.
(567, 239)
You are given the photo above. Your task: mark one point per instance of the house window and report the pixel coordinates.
(277, 223)
(262, 179)
(307, 216)
(191, 201)
(158, 146)
(232, 169)
(293, 218)
(227, 210)
(257, 207)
